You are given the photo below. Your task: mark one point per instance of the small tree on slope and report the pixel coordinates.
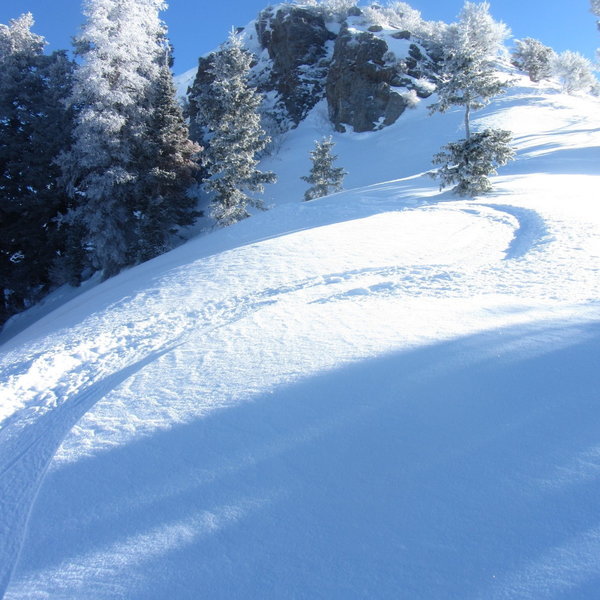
(467, 164)
(324, 177)
(531, 56)
(235, 136)
(468, 79)
(574, 72)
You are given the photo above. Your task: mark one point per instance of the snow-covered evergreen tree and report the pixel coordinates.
(471, 47)
(324, 177)
(574, 72)
(163, 189)
(468, 79)
(200, 106)
(468, 163)
(34, 128)
(533, 57)
(119, 46)
(130, 159)
(235, 137)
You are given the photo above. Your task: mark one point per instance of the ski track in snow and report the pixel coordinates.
(94, 369)
(94, 382)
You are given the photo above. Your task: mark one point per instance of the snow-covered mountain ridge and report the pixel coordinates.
(389, 392)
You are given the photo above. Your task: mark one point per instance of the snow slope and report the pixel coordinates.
(386, 393)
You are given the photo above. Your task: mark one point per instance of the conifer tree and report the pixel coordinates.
(231, 122)
(469, 163)
(117, 46)
(165, 203)
(324, 177)
(199, 97)
(131, 158)
(468, 79)
(467, 76)
(531, 56)
(34, 128)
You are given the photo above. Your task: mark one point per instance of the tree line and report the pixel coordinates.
(96, 161)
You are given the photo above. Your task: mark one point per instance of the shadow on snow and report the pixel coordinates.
(441, 472)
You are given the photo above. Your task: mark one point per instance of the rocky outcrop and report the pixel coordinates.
(296, 41)
(368, 87)
(360, 84)
(303, 61)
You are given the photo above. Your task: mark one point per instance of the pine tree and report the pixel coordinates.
(34, 128)
(118, 49)
(467, 76)
(230, 118)
(468, 79)
(131, 159)
(468, 163)
(531, 56)
(198, 96)
(324, 177)
(200, 108)
(172, 158)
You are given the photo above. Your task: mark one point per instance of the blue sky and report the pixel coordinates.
(198, 26)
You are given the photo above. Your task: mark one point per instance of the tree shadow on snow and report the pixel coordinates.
(556, 160)
(449, 471)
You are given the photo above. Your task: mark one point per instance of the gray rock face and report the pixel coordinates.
(360, 84)
(296, 40)
(366, 87)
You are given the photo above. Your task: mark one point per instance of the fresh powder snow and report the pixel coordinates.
(389, 392)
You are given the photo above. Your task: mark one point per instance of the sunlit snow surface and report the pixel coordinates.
(386, 393)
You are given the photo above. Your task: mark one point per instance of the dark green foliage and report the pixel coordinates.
(35, 127)
(200, 97)
(324, 177)
(468, 163)
(163, 189)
